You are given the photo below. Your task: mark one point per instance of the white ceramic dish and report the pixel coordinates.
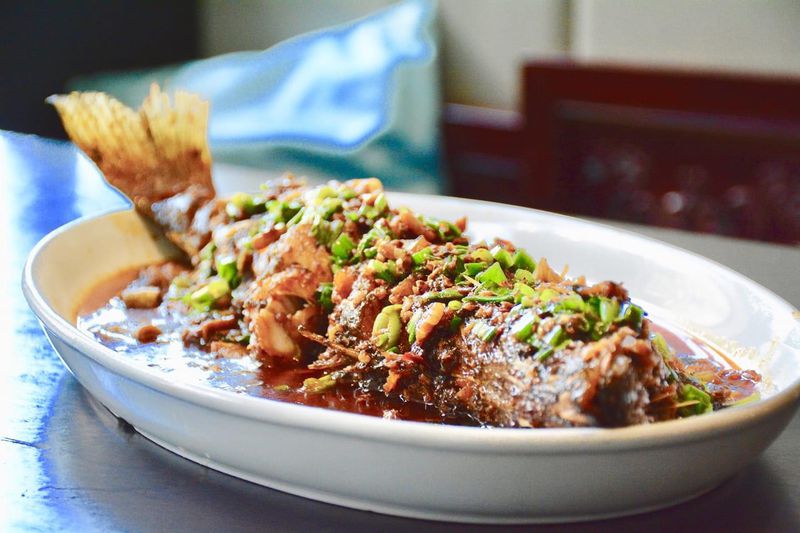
(439, 472)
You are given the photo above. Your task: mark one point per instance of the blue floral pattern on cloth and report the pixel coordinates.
(355, 100)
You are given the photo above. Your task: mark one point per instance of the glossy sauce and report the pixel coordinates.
(103, 315)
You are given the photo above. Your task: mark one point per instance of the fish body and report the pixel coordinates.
(376, 299)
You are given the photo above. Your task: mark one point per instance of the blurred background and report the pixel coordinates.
(683, 114)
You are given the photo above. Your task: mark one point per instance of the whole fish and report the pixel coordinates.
(377, 299)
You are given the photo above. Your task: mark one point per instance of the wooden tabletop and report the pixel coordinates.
(67, 463)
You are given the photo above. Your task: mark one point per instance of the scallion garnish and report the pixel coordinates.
(204, 298)
(483, 255)
(502, 256)
(523, 328)
(446, 294)
(694, 400)
(227, 270)
(524, 261)
(387, 326)
(555, 337)
(493, 274)
(544, 353)
(524, 276)
(473, 269)
(609, 309)
(342, 246)
(323, 294)
(484, 331)
(490, 298)
(422, 256)
(411, 327)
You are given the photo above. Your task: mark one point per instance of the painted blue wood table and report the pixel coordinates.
(67, 463)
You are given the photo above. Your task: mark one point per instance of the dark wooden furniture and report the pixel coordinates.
(700, 151)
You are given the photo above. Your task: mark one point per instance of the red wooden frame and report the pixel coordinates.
(696, 150)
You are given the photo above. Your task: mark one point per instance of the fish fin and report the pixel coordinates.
(148, 155)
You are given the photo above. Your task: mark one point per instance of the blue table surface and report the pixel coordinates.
(67, 463)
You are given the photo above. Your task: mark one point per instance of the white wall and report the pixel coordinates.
(484, 42)
(742, 35)
(258, 24)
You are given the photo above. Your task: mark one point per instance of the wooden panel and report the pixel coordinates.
(483, 153)
(702, 152)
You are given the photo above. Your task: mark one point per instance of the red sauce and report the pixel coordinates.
(106, 318)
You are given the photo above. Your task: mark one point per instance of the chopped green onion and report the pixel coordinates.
(523, 292)
(456, 322)
(523, 328)
(490, 298)
(502, 256)
(524, 276)
(690, 393)
(421, 257)
(483, 255)
(411, 327)
(325, 231)
(454, 305)
(665, 352)
(207, 253)
(387, 326)
(324, 192)
(447, 231)
(329, 206)
(204, 298)
(384, 271)
(319, 385)
(493, 274)
(473, 269)
(283, 211)
(380, 203)
(556, 336)
(661, 347)
(632, 315)
(297, 217)
(369, 238)
(243, 204)
(544, 353)
(447, 294)
(323, 294)
(547, 295)
(484, 331)
(227, 270)
(609, 309)
(342, 246)
(571, 303)
(523, 261)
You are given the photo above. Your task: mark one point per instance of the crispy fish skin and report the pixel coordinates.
(151, 155)
(609, 382)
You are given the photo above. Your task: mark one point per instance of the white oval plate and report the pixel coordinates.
(446, 472)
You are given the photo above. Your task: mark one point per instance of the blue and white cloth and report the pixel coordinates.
(356, 100)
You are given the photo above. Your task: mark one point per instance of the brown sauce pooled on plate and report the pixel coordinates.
(104, 315)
